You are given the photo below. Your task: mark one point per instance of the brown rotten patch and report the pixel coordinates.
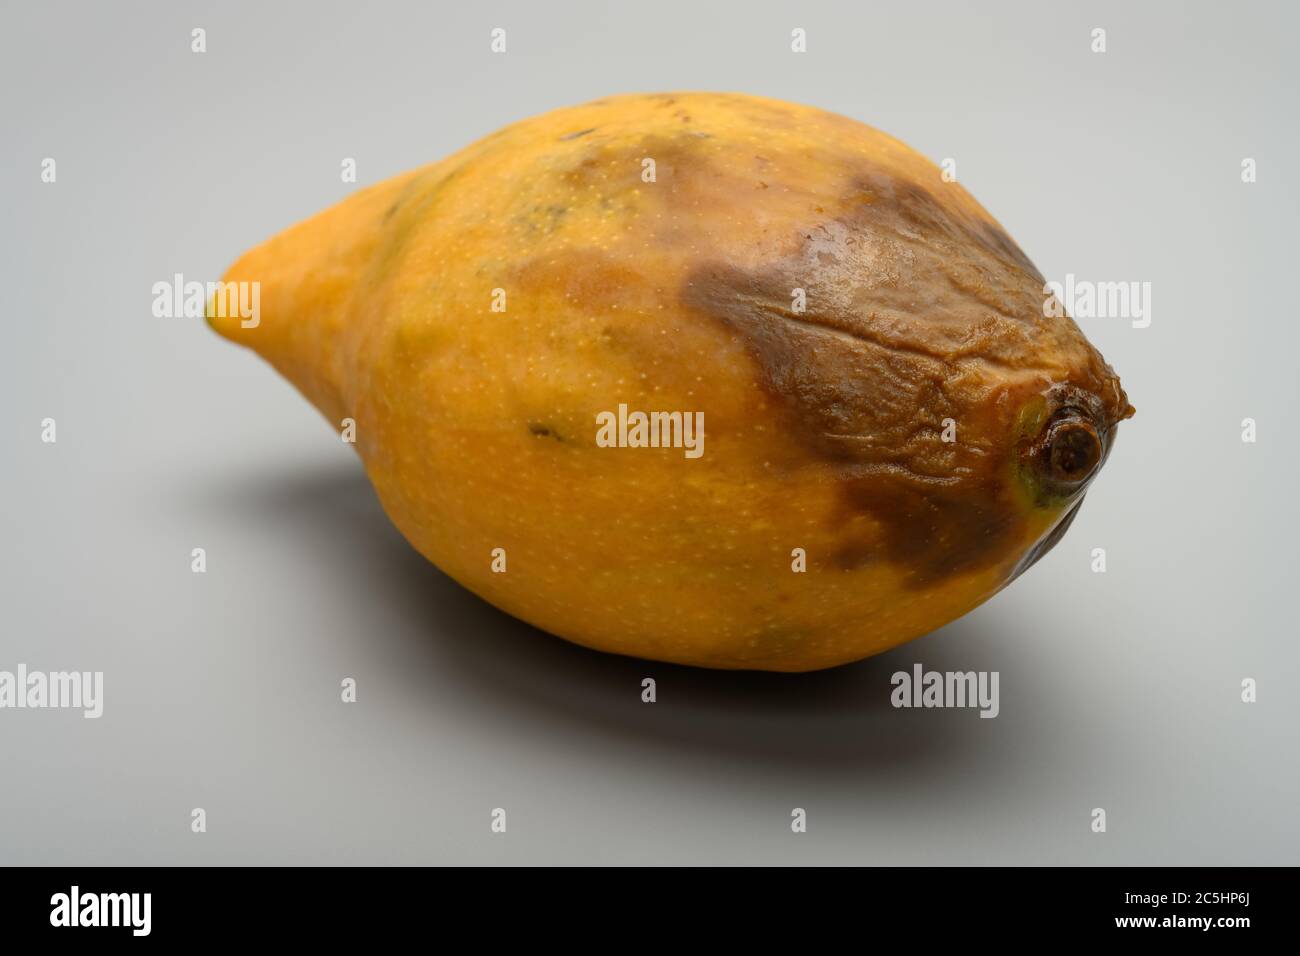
(916, 313)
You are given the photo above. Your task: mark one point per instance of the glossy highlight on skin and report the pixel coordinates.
(919, 429)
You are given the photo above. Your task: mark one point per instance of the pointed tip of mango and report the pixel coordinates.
(216, 323)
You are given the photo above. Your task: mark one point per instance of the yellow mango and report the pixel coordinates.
(527, 332)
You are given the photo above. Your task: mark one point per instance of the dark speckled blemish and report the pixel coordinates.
(542, 218)
(544, 431)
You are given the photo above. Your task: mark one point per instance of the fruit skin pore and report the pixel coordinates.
(824, 427)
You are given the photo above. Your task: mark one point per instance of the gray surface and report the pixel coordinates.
(1118, 690)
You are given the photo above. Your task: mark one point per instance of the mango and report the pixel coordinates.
(701, 378)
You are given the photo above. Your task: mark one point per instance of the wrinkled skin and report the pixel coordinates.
(824, 428)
